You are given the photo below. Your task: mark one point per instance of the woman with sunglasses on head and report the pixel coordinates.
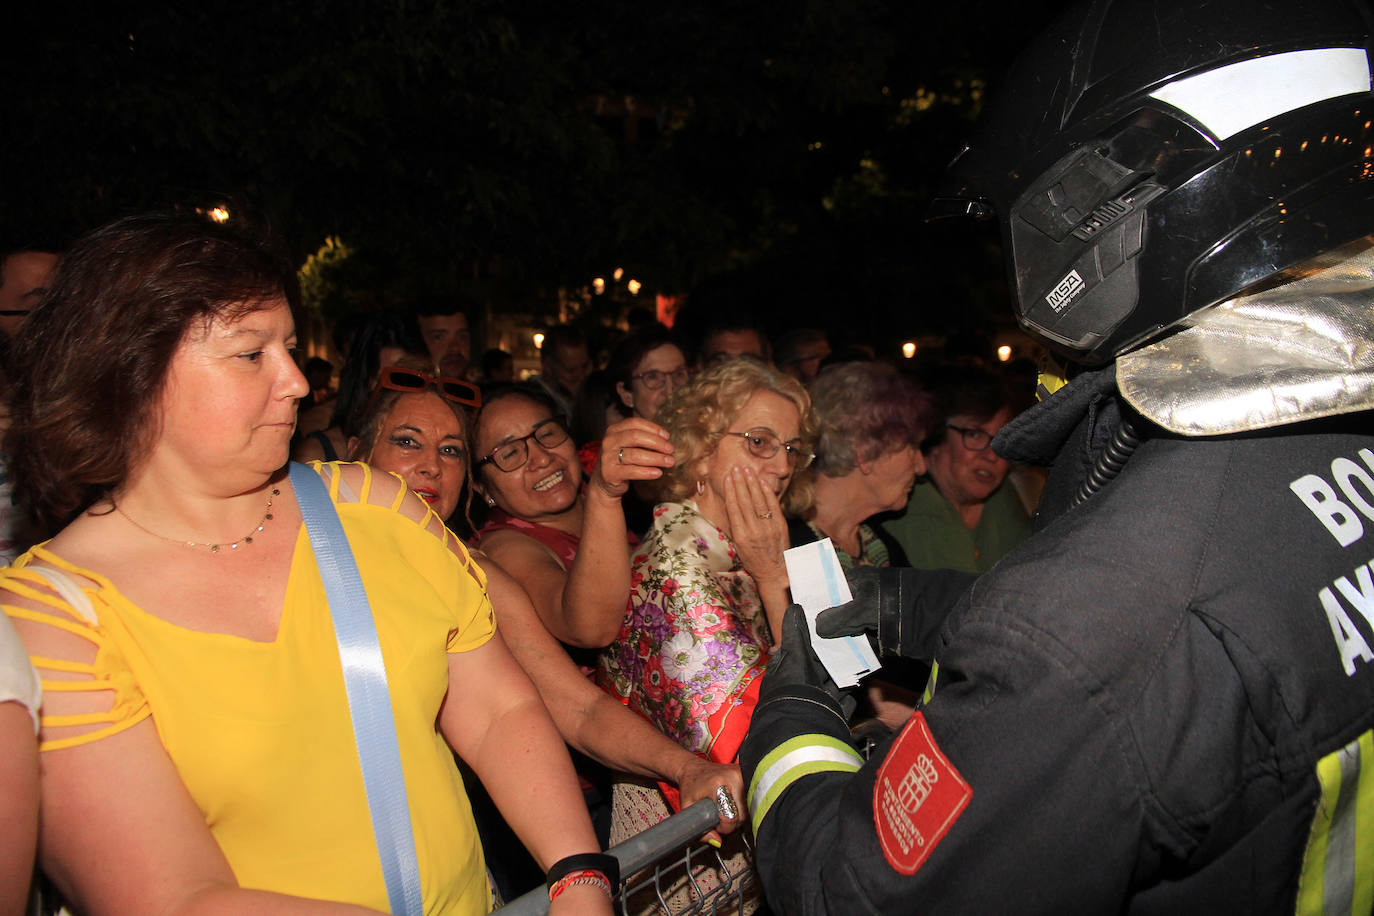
(197, 721)
(417, 430)
(415, 425)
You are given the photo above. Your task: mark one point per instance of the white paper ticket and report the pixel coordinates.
(818, 583)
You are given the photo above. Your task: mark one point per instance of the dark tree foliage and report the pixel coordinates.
(519, 147)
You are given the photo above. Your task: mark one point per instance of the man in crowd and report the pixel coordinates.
(564, 364)
(1163, 701)
(730, 336)
(799, 353)
(443, 326)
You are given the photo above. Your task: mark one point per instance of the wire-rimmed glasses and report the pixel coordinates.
(762, 442)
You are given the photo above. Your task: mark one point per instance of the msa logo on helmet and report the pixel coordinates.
(1064, 291)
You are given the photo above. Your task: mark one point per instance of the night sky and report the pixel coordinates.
(780, 154)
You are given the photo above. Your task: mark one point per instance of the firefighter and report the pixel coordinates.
(1161, 702)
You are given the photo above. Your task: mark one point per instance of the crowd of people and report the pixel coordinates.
(483, 627)
(182, 635)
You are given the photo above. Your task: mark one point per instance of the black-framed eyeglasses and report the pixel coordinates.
(513, 453)
(762, 442)
(654, 378)
(395, 378)
(975, 439)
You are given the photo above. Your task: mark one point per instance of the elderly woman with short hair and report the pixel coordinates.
(872, 419)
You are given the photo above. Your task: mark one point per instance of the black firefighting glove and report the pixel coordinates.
(901, 610)
(795, 665)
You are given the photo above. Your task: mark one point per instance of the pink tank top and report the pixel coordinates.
(563, 544)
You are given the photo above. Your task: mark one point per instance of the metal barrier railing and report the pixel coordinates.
(667, 861)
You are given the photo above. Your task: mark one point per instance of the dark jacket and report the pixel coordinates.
(1133, 708)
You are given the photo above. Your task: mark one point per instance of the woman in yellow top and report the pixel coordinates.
(198, 750)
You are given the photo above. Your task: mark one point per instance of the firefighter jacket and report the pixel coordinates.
(1160, 703)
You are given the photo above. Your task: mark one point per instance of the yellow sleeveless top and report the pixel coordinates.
(261, 733)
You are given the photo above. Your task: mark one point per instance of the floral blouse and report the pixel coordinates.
(694, 642)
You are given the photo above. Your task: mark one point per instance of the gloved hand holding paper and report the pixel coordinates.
(818, 583)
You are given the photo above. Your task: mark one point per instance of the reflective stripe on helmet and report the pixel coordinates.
(790, 761)
(1338, 866)
(1229, 99)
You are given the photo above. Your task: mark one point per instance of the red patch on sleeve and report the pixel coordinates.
(917, 797)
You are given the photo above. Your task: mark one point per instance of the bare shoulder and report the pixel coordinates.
(521, 554)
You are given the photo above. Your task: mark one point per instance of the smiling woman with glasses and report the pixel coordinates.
(569, 549)
(512, 453)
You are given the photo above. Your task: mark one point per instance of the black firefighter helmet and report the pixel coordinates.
(1150, 158)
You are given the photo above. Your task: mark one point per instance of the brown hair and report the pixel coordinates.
(698, 415)
(92, 358)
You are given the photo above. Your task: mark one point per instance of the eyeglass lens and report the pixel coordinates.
(513, 454)
(654, 378)
(764, 444)
(974, 439)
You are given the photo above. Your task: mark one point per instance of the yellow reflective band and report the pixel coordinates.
(790, 761)
(1338, 866)
(929, 692)
(1047, 384)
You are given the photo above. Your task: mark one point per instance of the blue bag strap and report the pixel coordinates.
(369, 700)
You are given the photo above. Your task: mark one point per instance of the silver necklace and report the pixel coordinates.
(214, 548)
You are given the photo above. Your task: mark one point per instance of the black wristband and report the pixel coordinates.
(603, 862)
